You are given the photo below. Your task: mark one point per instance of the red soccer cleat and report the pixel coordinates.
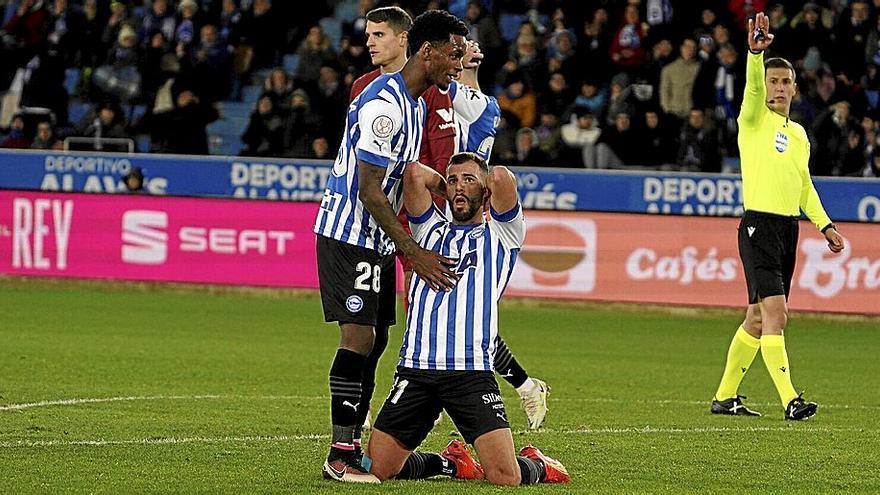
(466, 467)
(554, 471)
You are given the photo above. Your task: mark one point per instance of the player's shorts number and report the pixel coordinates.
(366, 270)
(397, 390)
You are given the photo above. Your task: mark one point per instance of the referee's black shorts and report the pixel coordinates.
(768, 250)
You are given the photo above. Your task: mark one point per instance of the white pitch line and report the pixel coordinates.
(79, 401)
(157, 441)
(645, 430)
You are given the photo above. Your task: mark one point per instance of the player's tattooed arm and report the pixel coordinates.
(503, 195)
(436, 270)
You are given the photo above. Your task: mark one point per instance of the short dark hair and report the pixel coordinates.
(779, 63)
(434, 26)
(396, 17)
(467, 156)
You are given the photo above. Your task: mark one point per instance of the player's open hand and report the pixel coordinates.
(759, 33)
(434, 269)
(835, 240)
(473, 57)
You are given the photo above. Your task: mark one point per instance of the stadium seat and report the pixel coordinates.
(76, 112)
(71, 78)
(291, 62)
(509, 24)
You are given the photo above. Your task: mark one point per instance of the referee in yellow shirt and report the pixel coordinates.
(776, 183)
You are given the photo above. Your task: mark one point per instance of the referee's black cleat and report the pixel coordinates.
(733, 407)
(798, 409)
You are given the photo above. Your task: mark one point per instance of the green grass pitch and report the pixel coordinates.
(122, 389)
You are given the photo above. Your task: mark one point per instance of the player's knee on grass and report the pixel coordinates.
(503, 473)
(387, 455)
(498, 458)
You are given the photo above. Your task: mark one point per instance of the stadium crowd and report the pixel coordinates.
(638, 83)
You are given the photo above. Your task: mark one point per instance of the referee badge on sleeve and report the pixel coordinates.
(781, 141)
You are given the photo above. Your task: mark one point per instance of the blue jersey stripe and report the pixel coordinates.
(469, 320)
(488, 296)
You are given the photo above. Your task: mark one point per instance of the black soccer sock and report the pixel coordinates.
(531, 471)
(420, 466)
(345, 393)
(368, 381)
(507, 366)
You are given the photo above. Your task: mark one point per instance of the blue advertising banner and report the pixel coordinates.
(304, 180)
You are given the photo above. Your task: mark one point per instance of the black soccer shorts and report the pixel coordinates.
(768, 250)
(358, 285)
(471, 398)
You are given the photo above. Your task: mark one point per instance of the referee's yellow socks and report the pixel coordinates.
(776, 359)
(739, 357)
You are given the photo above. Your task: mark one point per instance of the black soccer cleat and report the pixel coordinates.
(799, 409)
(733, 407)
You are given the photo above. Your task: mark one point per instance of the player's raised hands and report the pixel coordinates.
(759, 33)
(434, 269)
(473, 57)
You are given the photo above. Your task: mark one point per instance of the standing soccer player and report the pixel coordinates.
(447, 352)
(357, 221)
(776, 187)
(458, 118)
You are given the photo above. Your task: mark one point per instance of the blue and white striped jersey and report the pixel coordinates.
(477, 116)
(456, 330)
(384, 128)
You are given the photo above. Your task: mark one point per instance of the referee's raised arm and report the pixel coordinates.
(755, 97)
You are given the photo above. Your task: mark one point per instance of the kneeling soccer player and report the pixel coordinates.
(447, 353)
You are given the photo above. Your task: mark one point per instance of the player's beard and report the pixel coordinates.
(474, 205)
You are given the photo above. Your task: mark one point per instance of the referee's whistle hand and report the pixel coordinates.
(835, 240)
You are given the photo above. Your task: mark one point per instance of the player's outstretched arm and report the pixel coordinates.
(419, 181)
(755, 97)
(436, 270)
(503, 195)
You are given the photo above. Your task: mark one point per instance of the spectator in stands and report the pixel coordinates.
(549, 134)
(119, 17)
(331, 96)
(656, 141)
(872, 45)
(615, 148)
(853, 163)
(707, 23)
(107, 121)
(484, 30)
(870, 130)
(278, 87)
(16, 139)
(262, 30)
(45, 138)
(354, 58)
(628, 45)
(698, 150)
(320, 149)
(726, 85)
(211, 65)
(159, 18)
(44, 83)
(92, 48)
(620, 99)
(119, 77)
(851, 36)
(183, 129)
(528, 153)
(561, 55)
(65, 29)
(134, 181)
(518, 99)
(314, 52)
(28, 26)
(874, 170)
(661, 56)
(580, 136)
(186, 25)
(264, 135)
(809, 35)
(594, 44)
(591, 97)
(832, 130)
(557, 96)
(677, 81)
(526, 58)
(230, 23)
(301, 124)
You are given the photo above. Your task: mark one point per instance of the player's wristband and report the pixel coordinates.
(829, 226)
(753, 52)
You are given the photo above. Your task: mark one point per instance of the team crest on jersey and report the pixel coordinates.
(354, 304)
(781, 141)
(383, 126)
(477, 232)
